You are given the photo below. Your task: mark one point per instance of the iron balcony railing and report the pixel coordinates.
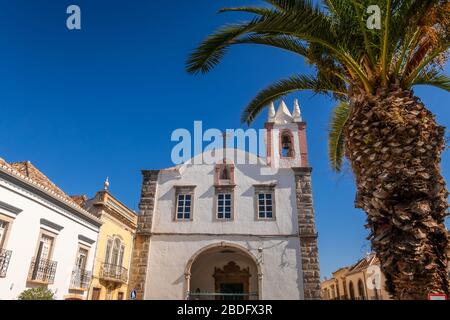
(222, 296)
(5, 256)
(113, 272)
(80, 279)
(42, 270)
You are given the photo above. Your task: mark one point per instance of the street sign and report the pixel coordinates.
(437, 296)
(133, 294)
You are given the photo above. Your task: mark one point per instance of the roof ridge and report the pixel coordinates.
(60, 195)
(29, 167)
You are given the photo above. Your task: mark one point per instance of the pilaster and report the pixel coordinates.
(307, 233)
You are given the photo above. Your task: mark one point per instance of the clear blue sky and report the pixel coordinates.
(103, 101)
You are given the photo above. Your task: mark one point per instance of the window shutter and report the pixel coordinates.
(108, 250)
(122, 250)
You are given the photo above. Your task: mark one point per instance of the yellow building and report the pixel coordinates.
(114, 245)
(362, 281)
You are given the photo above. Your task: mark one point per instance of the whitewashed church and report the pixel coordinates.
(229, 230)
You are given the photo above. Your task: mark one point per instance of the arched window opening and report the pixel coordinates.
(225, 173)
(114, 252)
(287, 148)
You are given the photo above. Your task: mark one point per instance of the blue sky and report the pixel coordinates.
(104, 100)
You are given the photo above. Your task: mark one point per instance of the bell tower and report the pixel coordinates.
(286, 137)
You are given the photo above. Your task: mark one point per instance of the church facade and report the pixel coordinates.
(231, 230)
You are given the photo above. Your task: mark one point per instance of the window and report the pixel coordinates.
(265, 205)
(224, 206)
(120, 296)
(184, 206)
(45, 247)
(121, 252)
(115, 250)
(42, 269)
(184, 203)
(108, 250)
(3, 230)
(265, 201)
(82, 258)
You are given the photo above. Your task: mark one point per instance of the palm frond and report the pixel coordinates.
(210, 52)
(256, 10)
(282, 42)
(435, 79)
(286, 86)
(336, 139)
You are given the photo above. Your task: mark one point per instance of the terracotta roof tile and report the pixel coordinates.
(365, 262)
(79, 199)
(27, 169)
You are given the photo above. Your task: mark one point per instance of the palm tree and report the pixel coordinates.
(390, 139)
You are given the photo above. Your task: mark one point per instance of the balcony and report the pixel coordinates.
(113, 273)
(42, 271)
(80, 279)
(5, 256)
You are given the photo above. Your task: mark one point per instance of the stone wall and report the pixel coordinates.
(307, 234)
(139, 262)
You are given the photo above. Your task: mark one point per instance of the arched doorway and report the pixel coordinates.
(361, 293)
(223, 272)
(351, 290)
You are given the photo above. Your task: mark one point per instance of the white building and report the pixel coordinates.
(46, 239)
(230, 230)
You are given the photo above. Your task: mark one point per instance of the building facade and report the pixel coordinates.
(362, 281)
(114, 248)
(46, 239)
(232, 229)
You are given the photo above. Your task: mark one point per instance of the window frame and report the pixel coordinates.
(87, 249)
(9, 222)
(111, 244)
(49, 234)
(224, 190)
(184, 190)
(265, 189)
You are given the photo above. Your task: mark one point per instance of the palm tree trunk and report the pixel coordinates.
(394, 146)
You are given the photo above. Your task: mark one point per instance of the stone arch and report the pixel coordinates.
(287, 149)
(361, 293)
(351, 290)
(222, 245)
